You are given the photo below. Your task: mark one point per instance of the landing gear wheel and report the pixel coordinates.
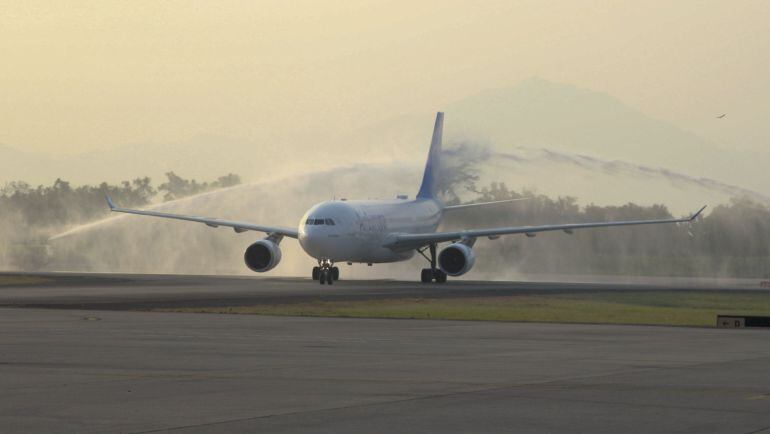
(440, 276)
(426, 276)
(326, 273)
(432, 273)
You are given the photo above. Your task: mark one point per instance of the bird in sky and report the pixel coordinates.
(721, 116)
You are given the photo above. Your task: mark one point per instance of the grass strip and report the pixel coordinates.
(19, 280)
(605, 307)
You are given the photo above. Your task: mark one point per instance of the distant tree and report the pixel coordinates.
(229, 180)
(29, 215)
(731, 240)
(61, 204)
(177, 187)
(459, 170)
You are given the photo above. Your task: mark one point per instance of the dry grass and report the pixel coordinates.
(643, 307)
(21, 280)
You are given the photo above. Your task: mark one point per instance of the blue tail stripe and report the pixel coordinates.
(430, 178)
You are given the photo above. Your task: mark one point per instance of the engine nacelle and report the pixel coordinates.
(456, 259)
(262, 256)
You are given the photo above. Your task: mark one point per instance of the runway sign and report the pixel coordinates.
(725, 321)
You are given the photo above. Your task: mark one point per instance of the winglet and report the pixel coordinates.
(110, 203)
(694, 216)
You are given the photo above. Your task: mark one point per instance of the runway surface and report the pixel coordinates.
(106, 371)
(137, 292)
(96, 370)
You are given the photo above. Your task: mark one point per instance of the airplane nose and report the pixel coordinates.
(316, 242)
(324, 231)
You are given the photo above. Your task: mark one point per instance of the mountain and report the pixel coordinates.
(541, 114)
(535, 114)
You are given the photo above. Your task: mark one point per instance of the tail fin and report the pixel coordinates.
(430, 178)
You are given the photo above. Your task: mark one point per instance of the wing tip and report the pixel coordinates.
(694, 216)
(110, 203)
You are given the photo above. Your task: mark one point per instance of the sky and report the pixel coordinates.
(81, 76)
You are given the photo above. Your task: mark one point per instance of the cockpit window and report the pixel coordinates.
(329, 222)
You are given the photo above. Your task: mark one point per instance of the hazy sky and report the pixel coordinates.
(80, 75)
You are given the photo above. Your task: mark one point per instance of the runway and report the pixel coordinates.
(97, 370)
(149, 291)
(100, 371)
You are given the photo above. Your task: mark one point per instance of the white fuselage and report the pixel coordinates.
(355, 231)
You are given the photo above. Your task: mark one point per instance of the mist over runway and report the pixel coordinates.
(130, 244)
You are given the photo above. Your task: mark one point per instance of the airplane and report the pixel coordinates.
(381, 231)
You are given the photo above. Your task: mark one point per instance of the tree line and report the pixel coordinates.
(731, 240)
(61, 204)
(30, 215)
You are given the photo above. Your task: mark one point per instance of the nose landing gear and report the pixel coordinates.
(326, 272)
(433, 273)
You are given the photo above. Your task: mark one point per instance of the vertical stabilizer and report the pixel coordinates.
(430, 179)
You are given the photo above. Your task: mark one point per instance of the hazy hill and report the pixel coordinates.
(547, 114)
(542, 114)
(534, 114)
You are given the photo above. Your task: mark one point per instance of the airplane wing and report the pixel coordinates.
(414, 241)
(471, 205)
(208, 221)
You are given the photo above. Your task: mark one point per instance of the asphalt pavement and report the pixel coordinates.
(107, 369)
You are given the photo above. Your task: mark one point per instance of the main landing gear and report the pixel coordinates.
(326, 272)
(433, 273)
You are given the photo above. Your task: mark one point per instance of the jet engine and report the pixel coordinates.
(262, 256)
(456, 259)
